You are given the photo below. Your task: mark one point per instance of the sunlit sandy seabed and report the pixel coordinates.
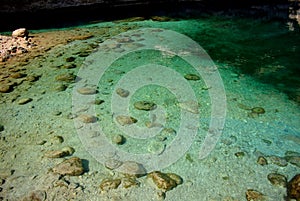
(257, 62)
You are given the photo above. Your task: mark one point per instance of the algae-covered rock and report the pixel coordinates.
(144, 105)
(277, 179)
(164, 181)
(293, 188)
(109, 184)
(71, 167)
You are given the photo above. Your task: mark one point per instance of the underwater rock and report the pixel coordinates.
(132, 168)
(109, 184)
(279, 161)
(69, 66)
(86, 91)
(262, 161)
(37, 195)
(60, 87)
(192, 77)
(144, 105)
(277, 179)
(71, 167)
(125, 120)
(119, 139)
(122, 92)
(128, 182)
(258, 110)
(24, 101)
(56, 154)
(156, 147)
(57, 139)
(21, 32)
(33, 78)
(164, 181)
(253, 195)
(239, 154)
(87, 118)
(98, 102)
(67, 77)
(112, 164)
(1, 127)
(294, 160)
(70, 59)
(6, 88)
(293, 188)
(190, 106)
(18, 75)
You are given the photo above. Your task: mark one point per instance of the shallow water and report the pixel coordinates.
(203, 130)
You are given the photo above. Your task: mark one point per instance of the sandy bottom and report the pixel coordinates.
(41, 115)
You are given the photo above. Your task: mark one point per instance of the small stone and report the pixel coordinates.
(60, 87)
(55, 154)
(293, 188)
(69, 66)
(68, 77)
(18, 75)
(164, 181)
(262, 161)
(125, 120)
(32, 78)
(86, 91)
(87, 118)
(128, 182)
(109, 184)
(70, 59)
(144, 105)
(68, 150)
(119, 139)
(98, 102)
(176, 178)
(5, 88)
(295, 160)
(24, 101)
(277, 161)
(57, 139)
(156, 147)
(253, 195)
(122, 92)
(193, 77)
(240, 154)
(132, 168)
(258, 110)
(277, 179)
(112, 164)
(22, 32)
(71, 167)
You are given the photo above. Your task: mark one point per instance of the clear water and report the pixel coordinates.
(255, 63)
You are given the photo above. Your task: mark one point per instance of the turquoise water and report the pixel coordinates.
(206, 130)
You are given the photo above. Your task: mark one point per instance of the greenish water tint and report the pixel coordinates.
(268, 50)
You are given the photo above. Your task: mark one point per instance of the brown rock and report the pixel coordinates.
(277, 179)
(119, 139)
(22, 32)
(68, 77)
(122, 92)
(24, 101)
(86, 91)
(165, 181)
(108, 184)
(72, 167)
(125, 120)
(253, 195)
(132, 168)
(262, 161)
(293, 188)
(5, 88)
(87, 118)
(37, 195)
(144, 105)
(193, 77)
